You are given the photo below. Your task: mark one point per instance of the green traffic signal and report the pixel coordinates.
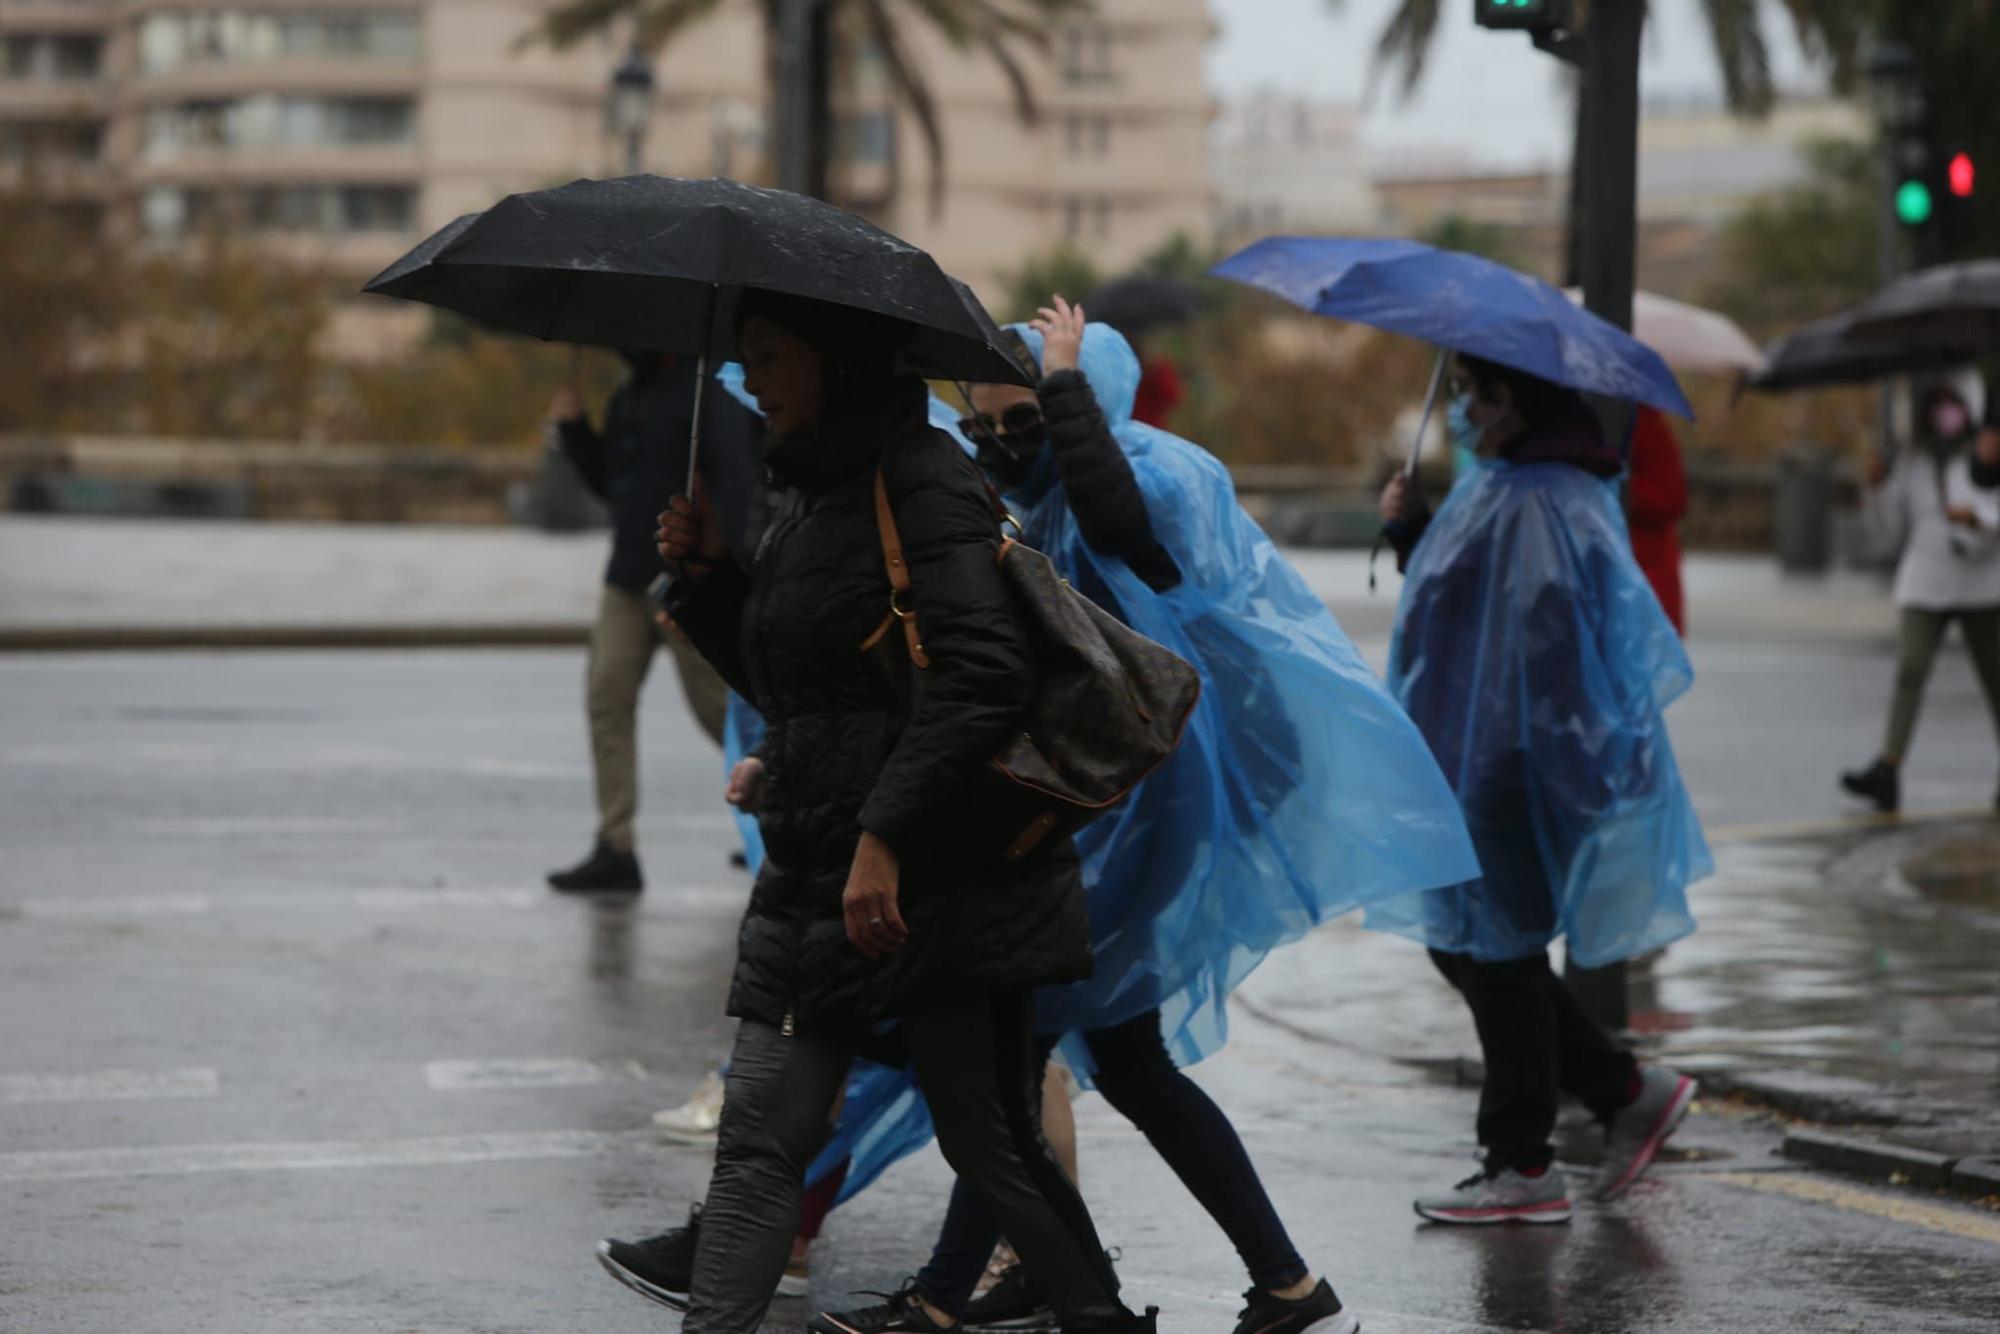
(1914, 205)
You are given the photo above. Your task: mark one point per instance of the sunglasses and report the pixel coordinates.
(1021, 419)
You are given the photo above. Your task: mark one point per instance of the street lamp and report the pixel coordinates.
(628, 105)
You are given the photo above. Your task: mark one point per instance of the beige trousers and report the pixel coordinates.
(621, 653)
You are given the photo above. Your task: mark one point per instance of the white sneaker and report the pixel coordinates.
(696, 1120)
(1638, 1132)
(1501, 1197)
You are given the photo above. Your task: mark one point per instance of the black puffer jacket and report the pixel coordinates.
(1097, 480)
(843, 750)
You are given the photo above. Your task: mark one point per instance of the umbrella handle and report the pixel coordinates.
(1430, 406)
(700, 394)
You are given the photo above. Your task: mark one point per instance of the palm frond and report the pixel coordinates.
(912, 89)
(1737, 30)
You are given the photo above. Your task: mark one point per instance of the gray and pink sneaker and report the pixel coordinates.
(1505, 1196)
(1638, 1132)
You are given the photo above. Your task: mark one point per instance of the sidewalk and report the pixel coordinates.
(1847, 979)
(86, 582)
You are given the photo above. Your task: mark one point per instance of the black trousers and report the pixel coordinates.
(976, 1064)
(1538, 1043)
(1190, 1133)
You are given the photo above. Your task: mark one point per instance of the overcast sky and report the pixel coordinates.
(1490, 95)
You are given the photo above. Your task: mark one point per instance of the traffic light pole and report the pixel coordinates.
(1608, 196)
(1889, 257)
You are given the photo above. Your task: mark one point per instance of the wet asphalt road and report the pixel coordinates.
(291, 1039)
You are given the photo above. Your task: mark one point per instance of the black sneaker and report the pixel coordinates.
(605, 871)
(1318, 1312)
(1010, 1304)
(661, 1268)
(1877, 783)
(900, 1313)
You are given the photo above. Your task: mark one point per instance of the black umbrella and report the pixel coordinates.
(1134, 305)
(1953, 306)
(657, 262)
(1829, 352)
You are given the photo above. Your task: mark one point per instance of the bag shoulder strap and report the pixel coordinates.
(899, 578)
(899, 569)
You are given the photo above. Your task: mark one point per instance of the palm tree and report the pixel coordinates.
(1832, 32)
(996, 29)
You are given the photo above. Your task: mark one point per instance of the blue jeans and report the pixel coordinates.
(1189, 1132)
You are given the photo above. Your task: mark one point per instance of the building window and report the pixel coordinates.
(266, 123)
(1087, 135)
(1086, 55)
(870, 139)
(174, 38)
(1086, 217)
(64, 142)
(52, 58)
(168, 211)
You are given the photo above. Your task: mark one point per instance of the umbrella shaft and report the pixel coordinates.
(694, 429)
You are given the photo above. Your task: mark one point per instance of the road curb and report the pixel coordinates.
(110, 639)
(1871, 1158)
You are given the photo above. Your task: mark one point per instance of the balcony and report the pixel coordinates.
(52, 99)
(361, 164)
(287, 74)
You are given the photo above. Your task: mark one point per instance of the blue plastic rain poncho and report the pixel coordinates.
(1300, 790)
(1536, 659)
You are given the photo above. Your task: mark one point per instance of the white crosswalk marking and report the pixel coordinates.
(426, 1151)
(109, 1085)
(547, 1073)
(117, 905)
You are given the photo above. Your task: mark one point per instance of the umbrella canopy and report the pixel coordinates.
(1829, 352)
(1693, 339)
(1953, 306)
(657, 262)
(1461, 302)
(1134, 305)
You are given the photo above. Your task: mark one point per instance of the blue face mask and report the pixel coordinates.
(1465, 432)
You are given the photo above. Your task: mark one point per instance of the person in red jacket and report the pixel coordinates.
(1656, 502)
(1160, 390)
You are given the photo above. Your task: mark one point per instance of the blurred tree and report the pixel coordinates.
(62, 300)
(1455, 231)
(1062, 270)
(1807, 251)
(990, 27)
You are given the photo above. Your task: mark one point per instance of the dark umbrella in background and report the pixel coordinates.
(1953, 306)
(1134, 306)
(1829, 352)
(662, 263)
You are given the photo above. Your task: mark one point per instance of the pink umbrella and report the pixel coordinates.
(1691, 338)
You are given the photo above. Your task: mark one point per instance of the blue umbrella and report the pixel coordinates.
(1463, 303)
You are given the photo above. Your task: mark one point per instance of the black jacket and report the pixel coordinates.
(639, 461)
(1097, 480)
(845, 749)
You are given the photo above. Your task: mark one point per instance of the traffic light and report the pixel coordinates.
(1960, 176)
(1521, 14)
(1914, 204)
(1913, 188)
(1958, 210)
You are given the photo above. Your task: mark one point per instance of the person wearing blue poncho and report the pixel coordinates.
(1299, 792)
(1534, 656)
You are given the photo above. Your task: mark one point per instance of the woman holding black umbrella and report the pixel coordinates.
(866, 906)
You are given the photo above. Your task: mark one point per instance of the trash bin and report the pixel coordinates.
(1805, 510)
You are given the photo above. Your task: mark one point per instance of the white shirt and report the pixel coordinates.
(1944, 566)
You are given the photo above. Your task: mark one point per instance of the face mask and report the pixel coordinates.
(1008, 457)
(1948, 420)
(1465, 432)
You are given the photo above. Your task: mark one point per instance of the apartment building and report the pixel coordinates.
(345, 129)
